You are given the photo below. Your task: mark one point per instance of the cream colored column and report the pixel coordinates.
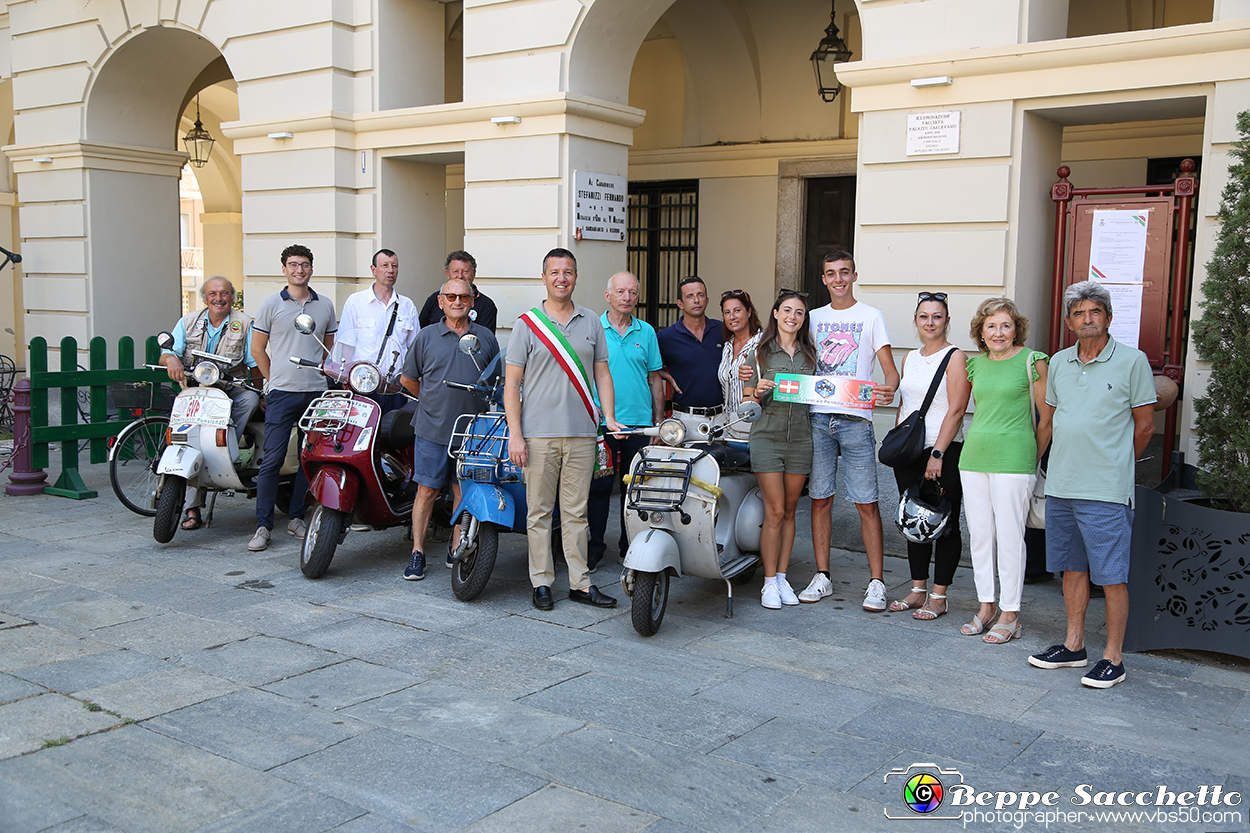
(223, 245)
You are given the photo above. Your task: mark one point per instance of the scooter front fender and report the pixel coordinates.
(336, 487)
(654, 551)
(486, 502)
(181, 460)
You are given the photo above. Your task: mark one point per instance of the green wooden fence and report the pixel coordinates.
(96, 380)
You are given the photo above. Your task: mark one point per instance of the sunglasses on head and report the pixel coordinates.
(933, 296)
(792, 293)
(732, 293)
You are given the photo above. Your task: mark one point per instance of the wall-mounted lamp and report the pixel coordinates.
(501, 120)
(933, 81)
(198, 141)
(42, 160)
(285, 134)
(831, 50)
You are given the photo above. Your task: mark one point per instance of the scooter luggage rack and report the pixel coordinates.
(328, 413)
(645, 492)
(479, 442)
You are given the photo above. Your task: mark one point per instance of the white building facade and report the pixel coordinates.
(424, 126)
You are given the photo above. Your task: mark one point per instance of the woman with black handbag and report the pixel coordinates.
(936, 375)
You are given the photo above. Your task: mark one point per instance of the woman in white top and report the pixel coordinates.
(944, 434)
(741, 332)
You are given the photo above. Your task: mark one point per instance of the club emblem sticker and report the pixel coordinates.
(923, 790)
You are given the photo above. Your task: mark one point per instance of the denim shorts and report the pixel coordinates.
(433, 465)
(851, 438)
(1089, 536)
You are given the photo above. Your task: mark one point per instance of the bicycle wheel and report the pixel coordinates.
(132, 462)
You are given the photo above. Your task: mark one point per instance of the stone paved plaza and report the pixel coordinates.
(196, 686)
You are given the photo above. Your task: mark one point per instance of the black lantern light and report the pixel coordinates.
(198, 141)
(832, 50)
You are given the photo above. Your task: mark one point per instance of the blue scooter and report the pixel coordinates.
(492, 495)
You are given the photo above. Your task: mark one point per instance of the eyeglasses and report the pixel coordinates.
(457, 296)
(933, 296)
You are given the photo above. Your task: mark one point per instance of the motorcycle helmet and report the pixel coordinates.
(923, 512)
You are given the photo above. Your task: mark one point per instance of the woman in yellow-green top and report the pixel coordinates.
(999, 462)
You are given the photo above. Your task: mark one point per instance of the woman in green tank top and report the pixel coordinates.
(999, 462)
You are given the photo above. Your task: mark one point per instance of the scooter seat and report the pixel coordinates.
(727, 457)
(395, 429)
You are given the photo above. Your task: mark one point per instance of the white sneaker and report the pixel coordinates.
(874, 598)
(819, 588)
(787, 592)
(771, 596)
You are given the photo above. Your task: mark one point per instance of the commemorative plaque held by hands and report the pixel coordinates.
(824, 390)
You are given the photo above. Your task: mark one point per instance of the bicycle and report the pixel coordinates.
(137, 448)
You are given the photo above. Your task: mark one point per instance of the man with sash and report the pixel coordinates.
(553, 430)
(221, 329)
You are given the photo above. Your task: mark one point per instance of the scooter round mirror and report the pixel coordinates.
(305, 324)
(468, 344)
(165, 340)
(749, 411)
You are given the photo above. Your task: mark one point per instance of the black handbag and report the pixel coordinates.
(905, 444)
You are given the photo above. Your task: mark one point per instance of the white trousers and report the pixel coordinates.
(997, 506)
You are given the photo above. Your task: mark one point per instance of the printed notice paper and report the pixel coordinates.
(1117, 251)
(1125, 312)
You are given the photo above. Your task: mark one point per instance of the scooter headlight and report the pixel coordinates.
(207, 374)
(364, 378)
(672, 431)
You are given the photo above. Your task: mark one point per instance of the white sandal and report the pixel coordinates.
(924, 614)
(901, 604)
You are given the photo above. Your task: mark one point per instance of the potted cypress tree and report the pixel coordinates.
(1190, 584)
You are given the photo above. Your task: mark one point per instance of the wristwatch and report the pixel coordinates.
(937, 455)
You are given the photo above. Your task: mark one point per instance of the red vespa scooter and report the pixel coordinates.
(358, 461)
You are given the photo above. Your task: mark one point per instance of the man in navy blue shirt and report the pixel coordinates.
(691, 350)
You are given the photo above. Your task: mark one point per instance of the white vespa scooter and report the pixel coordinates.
(692, 508)
(203, 449)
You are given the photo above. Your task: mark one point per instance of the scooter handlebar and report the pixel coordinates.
(304, 362)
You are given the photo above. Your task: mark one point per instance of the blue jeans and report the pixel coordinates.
(282, 410)
(851, 438)
(622, 452)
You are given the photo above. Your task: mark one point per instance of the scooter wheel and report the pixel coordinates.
(325, 528)
(649, 601)
(470, 574)
(168, 506)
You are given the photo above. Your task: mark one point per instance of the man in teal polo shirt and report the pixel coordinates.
(1103, 395)
(634, 363)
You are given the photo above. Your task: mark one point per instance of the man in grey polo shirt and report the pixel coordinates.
(551, 433)
(435, 356)
(1102, 393)
(289, 388)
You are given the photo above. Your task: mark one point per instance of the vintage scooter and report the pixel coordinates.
(358, 461)
(492, 494)
(692, 508)
(203, 449)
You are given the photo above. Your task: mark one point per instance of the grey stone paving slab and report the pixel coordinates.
(1188, 740)
(81, 617)
(830, 759)
(1241, 714)
(28, 603)
(357, 635)
(302, 812)
(222, 602)
(85, 824)
(815, 809)
(649, 663)
(281, 617)
(373, 823)
(36, 645)
(519, 633)
(417, 610)
(26, 724)
(171, 634)
(16, 581)
(697, 790)
(1231, 677)
(23, 810)
(963, 737)
(1065, 762)
(12, 688)
(558, 806)
(698, 725)
(677, 630)
(168, 591)
(356, 769)
(73, 675)
(342, 685)
(483, 725)
(159, 692)
(260, 659)
(776, 693)
(8, 621)
(164, 787)
(116, 573)
(256, 728)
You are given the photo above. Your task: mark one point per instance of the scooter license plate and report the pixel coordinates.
(196, 408)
